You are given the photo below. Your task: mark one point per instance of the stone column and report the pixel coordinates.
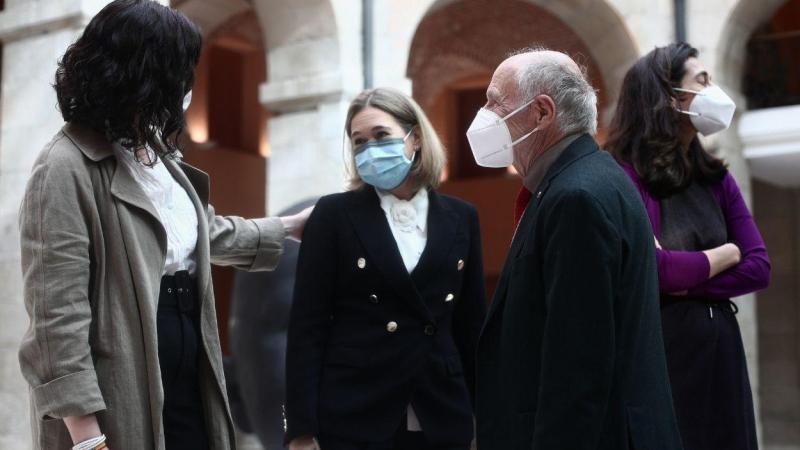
(314, 65)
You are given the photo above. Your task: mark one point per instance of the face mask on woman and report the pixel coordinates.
(384, 163)
(711, 109)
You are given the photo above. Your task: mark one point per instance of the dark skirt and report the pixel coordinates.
(178, 352)
(708, 374)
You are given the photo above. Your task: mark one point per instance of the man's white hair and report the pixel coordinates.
(573, 95)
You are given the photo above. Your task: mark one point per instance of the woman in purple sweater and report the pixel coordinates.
(708, 247)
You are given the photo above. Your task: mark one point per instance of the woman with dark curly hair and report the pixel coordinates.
(117, 240)
(708, 247)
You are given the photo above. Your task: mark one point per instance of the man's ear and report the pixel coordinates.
(545, 110)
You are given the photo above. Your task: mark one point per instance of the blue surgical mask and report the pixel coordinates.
(383, 163)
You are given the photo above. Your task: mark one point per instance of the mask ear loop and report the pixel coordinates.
(346, 162)
(689, 91)
(688, 113)
(416, 150)
(526, 136)
(508, 116)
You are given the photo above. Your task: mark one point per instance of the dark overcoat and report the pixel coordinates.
(571, 355)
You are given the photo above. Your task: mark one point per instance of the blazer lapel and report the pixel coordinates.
(369, 222)
(442, 229)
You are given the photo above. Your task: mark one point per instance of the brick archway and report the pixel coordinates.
(472, 37)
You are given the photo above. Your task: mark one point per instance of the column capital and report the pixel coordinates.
(301, 93)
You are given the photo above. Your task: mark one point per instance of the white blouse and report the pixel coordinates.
(175, 209)
(408, 221)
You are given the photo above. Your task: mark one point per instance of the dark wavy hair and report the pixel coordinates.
(127, 75)
(645, 131)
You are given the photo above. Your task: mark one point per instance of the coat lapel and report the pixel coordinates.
(369, 222)
(196, 184)
(581, 147)
(202, 252)
(126, 189)
(123, 183)
(199, 181)
(520, 237)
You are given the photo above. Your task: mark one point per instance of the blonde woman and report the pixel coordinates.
(389, 296)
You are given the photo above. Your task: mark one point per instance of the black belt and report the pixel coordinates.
(725, 305)
(179, 291)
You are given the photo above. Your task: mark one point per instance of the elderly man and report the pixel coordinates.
(571, 355)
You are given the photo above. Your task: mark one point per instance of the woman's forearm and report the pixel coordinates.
(722, 258)
(82, 428)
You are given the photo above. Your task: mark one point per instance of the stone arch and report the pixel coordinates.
(301, 35)
(302, 42)
(209, 15)
(744, 18)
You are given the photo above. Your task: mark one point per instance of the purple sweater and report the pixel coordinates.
(680, 271)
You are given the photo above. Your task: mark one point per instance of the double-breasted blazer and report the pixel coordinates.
(93, 252)
(366, 338)
(571, 355)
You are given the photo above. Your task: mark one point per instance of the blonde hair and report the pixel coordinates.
(431, 159)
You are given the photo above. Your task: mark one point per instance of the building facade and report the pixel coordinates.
(276, 77)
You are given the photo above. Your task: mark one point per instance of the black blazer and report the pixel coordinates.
(571, 355)
(366, 338)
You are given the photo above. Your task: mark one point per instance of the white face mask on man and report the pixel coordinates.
(711, 109)
(490, 138)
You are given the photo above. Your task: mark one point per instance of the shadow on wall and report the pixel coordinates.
(259, 320)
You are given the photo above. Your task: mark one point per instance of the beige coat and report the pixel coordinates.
(93, 252)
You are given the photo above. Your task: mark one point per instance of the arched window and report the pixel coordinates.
(772, 64)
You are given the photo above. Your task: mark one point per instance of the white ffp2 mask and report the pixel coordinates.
(711, 109)
(490, 139)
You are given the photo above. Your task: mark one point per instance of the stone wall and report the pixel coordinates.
(29, 119)
(777, 211)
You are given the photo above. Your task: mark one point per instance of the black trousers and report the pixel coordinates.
(402, 440)
(708, 374)
(178, 352)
